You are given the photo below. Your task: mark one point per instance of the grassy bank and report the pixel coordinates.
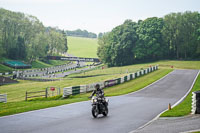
(178, 64)
(131, 86)
(82, 47)
(4, 68)
(40, 64)
(184, 108)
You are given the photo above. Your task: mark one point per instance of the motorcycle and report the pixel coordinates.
(99, 106)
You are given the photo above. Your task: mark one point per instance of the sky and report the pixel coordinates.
(96, 15)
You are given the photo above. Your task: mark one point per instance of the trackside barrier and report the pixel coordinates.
(74, 90)
(195, 102)
(3, 98)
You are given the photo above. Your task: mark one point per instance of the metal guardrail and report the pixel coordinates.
(74, 90)
(3, 98)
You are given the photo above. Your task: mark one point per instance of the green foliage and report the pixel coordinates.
(116, 47)
(176, 36)
(180, 33)
(149, 44)
(24, 37)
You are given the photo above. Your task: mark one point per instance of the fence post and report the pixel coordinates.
(46, 92)
(26, 96)
(59, 91)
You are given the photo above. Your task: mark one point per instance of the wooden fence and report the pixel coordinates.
(36, 94)
(48, 92)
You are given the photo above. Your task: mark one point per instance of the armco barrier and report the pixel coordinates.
(67, 91)
(90, 87)
(125, 78)
(3, 98)
(75, 90)
(83, 89)
(110, 83)
(122, 80)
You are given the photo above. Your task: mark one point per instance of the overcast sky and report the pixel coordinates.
(96, 15)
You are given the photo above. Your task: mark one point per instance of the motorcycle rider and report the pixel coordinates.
(99, 92)
(101, 105)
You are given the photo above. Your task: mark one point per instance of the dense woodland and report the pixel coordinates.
(175, 36)
(81, 33)
(24, 37)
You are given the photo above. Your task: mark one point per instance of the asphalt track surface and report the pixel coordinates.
(126, 113)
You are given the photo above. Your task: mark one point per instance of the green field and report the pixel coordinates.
(82, 47)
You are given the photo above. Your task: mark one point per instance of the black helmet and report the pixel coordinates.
(97, 86)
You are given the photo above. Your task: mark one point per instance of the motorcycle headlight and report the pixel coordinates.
(94, 100)
(107, 100)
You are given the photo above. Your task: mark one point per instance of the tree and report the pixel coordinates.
(180, 33)
(81, 33)
(116, 47)
(149, 44)
(24, 37)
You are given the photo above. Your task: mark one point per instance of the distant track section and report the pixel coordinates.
(73, 59)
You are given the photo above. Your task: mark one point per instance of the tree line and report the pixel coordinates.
(81, 33)
(175, 36)
(24, 37)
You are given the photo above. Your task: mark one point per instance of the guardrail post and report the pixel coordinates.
(5, 98)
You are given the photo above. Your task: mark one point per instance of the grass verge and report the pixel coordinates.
(184, 108)
(131, 86)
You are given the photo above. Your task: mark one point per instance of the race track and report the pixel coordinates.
(126, 113)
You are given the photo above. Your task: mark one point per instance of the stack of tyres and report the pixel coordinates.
(196, 102)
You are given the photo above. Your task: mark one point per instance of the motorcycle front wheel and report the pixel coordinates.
(105, 113)
(94, 112)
